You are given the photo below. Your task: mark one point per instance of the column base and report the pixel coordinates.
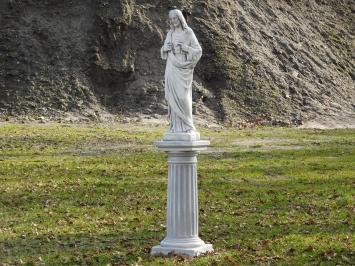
(191, 252)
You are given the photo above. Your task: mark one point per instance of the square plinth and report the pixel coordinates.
(182, 136)
(191, 252)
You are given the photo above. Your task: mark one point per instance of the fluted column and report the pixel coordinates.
(182, 206)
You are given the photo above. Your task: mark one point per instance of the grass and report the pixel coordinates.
(96, 195)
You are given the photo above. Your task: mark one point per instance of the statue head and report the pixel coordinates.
(176, 18)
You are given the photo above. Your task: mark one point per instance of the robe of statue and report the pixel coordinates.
(178, 77)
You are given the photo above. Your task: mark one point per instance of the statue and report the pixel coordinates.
(181, 51)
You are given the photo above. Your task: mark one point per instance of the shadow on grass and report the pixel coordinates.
(82, 248)
(128, 247)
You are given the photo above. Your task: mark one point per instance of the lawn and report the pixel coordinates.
(94, 194)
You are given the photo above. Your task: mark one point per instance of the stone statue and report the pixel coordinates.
(181, 51)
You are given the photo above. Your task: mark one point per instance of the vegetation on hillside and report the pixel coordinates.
(264, 62)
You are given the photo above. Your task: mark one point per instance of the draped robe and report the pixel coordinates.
(178, 78)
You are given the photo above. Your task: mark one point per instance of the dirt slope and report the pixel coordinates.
(276, 62)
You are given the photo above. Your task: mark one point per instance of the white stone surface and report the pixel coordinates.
(182, 136)
(182, 146)
(192, 252)
(182, 51)
(182, 207)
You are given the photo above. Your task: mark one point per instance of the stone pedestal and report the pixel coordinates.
(182, 209)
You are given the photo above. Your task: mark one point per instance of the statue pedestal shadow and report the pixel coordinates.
(182, 207)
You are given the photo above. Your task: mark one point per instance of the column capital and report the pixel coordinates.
(176, 146)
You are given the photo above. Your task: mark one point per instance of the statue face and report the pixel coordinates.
(174, 20)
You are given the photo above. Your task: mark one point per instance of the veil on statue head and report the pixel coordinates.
(181, 17)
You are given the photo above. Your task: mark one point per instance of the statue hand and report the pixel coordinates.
(184, 47)
(167, 47)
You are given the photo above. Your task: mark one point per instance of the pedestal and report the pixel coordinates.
(182, 209)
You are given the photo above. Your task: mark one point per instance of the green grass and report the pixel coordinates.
(96, 195)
